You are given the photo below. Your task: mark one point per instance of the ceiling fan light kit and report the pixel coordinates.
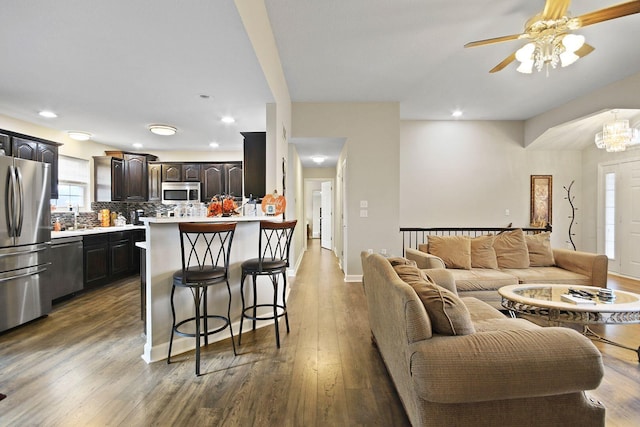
(551, 41)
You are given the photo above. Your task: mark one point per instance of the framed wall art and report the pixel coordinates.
(541, 200)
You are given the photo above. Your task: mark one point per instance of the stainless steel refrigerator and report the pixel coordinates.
(25, 235)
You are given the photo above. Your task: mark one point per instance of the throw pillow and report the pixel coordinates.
(511, 249)
(401, 261)
(482, 253)
(540, 252)
(447, 312)
(455, 251)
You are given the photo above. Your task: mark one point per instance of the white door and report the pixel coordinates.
(629, 219)
(326, 223)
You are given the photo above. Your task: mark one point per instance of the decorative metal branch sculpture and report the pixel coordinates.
(570, 198)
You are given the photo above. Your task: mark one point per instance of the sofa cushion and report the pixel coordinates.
(539, 247)
(482, 253)
(447, 312)
(554, 275)
(455, 251)
(479, 279)
(511, 249)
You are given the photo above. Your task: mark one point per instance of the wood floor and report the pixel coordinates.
(81, 366)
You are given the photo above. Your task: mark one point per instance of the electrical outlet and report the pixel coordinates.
(364, 213)
(370, 251)
(507, 212)
(383, 251)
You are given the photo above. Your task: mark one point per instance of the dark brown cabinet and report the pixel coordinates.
(110, 256)
(221, 178)
(40, 151)
(129, 177)
(180, 172)
(117, 180)
(171, 172)
(154, 171)
(5, 143)
(135, 177)
(255, 163)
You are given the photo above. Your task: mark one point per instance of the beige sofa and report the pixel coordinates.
(539, 263)
(504, 372)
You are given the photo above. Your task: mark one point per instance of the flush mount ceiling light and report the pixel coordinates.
(79, 135)
(48, 114)
(214, 145)
(457, 113)
(228, 120)
(137, 145)
(617, 135)
(318, 159)
(549, 32)
(164, 130)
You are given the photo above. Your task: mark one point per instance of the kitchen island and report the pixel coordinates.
(163, 258)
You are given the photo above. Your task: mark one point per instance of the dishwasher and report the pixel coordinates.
(65, 272)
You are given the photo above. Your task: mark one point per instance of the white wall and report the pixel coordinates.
(372, 132)
(468, 173)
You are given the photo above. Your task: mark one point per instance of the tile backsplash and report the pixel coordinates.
(90, 219)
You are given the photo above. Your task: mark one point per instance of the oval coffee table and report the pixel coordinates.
(545, 300)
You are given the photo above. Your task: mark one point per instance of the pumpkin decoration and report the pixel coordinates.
(273, 204)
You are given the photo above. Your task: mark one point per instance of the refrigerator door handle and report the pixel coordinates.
(10, 201)
(30, 273)
(20, 212)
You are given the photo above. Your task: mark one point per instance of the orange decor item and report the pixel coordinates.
(214, 208)
(273, 204)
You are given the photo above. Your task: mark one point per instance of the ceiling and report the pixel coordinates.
(113, 68)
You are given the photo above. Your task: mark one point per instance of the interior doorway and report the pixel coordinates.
(319, 207)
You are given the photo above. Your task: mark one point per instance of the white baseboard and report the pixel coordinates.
(353, 278)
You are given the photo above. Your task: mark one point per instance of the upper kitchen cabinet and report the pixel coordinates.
(5, 143)
(221, 178)
(180, 172)
(126, 176)
(255, 164)
(135, 178)
(154, 171)
(37, 149)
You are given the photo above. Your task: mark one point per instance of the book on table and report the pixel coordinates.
(577, 300)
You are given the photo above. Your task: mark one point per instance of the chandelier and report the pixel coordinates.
(547, 50)
(617, 135)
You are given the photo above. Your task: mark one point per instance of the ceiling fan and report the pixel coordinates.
(551, 41)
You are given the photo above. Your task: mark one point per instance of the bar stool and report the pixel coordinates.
(205, 251)
(273, 259)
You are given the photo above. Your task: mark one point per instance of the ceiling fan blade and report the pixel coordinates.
(495, 40)
(508, 60)
(585, 50)
(608, 13)
(555, 9)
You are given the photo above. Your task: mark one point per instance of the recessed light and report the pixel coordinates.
(137, 145)
(228, 119)
(318, 159)
(164, 130)
(214, 145)
(79, 135)
(48, 114)
(457, 113)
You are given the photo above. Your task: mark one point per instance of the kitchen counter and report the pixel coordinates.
(162, 259)
(94, 230)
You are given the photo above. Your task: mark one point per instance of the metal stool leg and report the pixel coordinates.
(284, 300)
(243, 306)
(173, 325)
(196, 298)
(274, 282)
(255, 302)
(233, 343)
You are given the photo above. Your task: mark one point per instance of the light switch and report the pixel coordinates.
(364, 203)
(364, 213)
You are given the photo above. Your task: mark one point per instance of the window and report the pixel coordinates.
(73, 182)
(610, 215)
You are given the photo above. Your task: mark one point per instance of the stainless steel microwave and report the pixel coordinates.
(179, 192)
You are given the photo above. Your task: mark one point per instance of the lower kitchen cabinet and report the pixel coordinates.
(110, 256)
